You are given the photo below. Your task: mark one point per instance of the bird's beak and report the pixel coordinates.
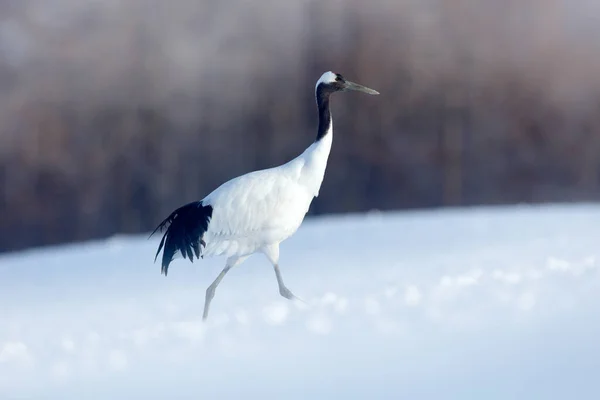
(355, 86)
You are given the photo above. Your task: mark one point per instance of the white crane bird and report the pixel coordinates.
(256, 211)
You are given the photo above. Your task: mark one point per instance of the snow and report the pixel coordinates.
(481, 303)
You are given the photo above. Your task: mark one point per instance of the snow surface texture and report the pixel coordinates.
(458, 304)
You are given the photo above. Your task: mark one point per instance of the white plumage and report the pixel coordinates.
(256, 211)
(264, 207)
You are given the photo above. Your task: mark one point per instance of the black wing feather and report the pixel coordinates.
(196, 246)
(184, 231)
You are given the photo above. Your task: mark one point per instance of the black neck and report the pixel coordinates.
(324, 113)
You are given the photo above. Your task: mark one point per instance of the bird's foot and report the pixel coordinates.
(285, 292)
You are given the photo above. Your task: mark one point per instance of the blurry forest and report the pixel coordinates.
(114, 112)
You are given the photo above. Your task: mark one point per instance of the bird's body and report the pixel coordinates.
(256, 211)
(264, 207)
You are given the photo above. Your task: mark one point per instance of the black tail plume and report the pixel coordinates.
(185, 229)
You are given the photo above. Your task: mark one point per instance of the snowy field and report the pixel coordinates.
(486, 303)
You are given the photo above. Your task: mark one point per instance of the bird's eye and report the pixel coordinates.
(339, 78)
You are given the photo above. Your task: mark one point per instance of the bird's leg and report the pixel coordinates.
(272, 253)
(283, 290)
(210, 291)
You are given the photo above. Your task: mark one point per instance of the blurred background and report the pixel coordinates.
(113, 112)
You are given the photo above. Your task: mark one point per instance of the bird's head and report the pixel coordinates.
(331, 82)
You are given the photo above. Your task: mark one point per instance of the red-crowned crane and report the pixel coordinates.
(256, 211)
